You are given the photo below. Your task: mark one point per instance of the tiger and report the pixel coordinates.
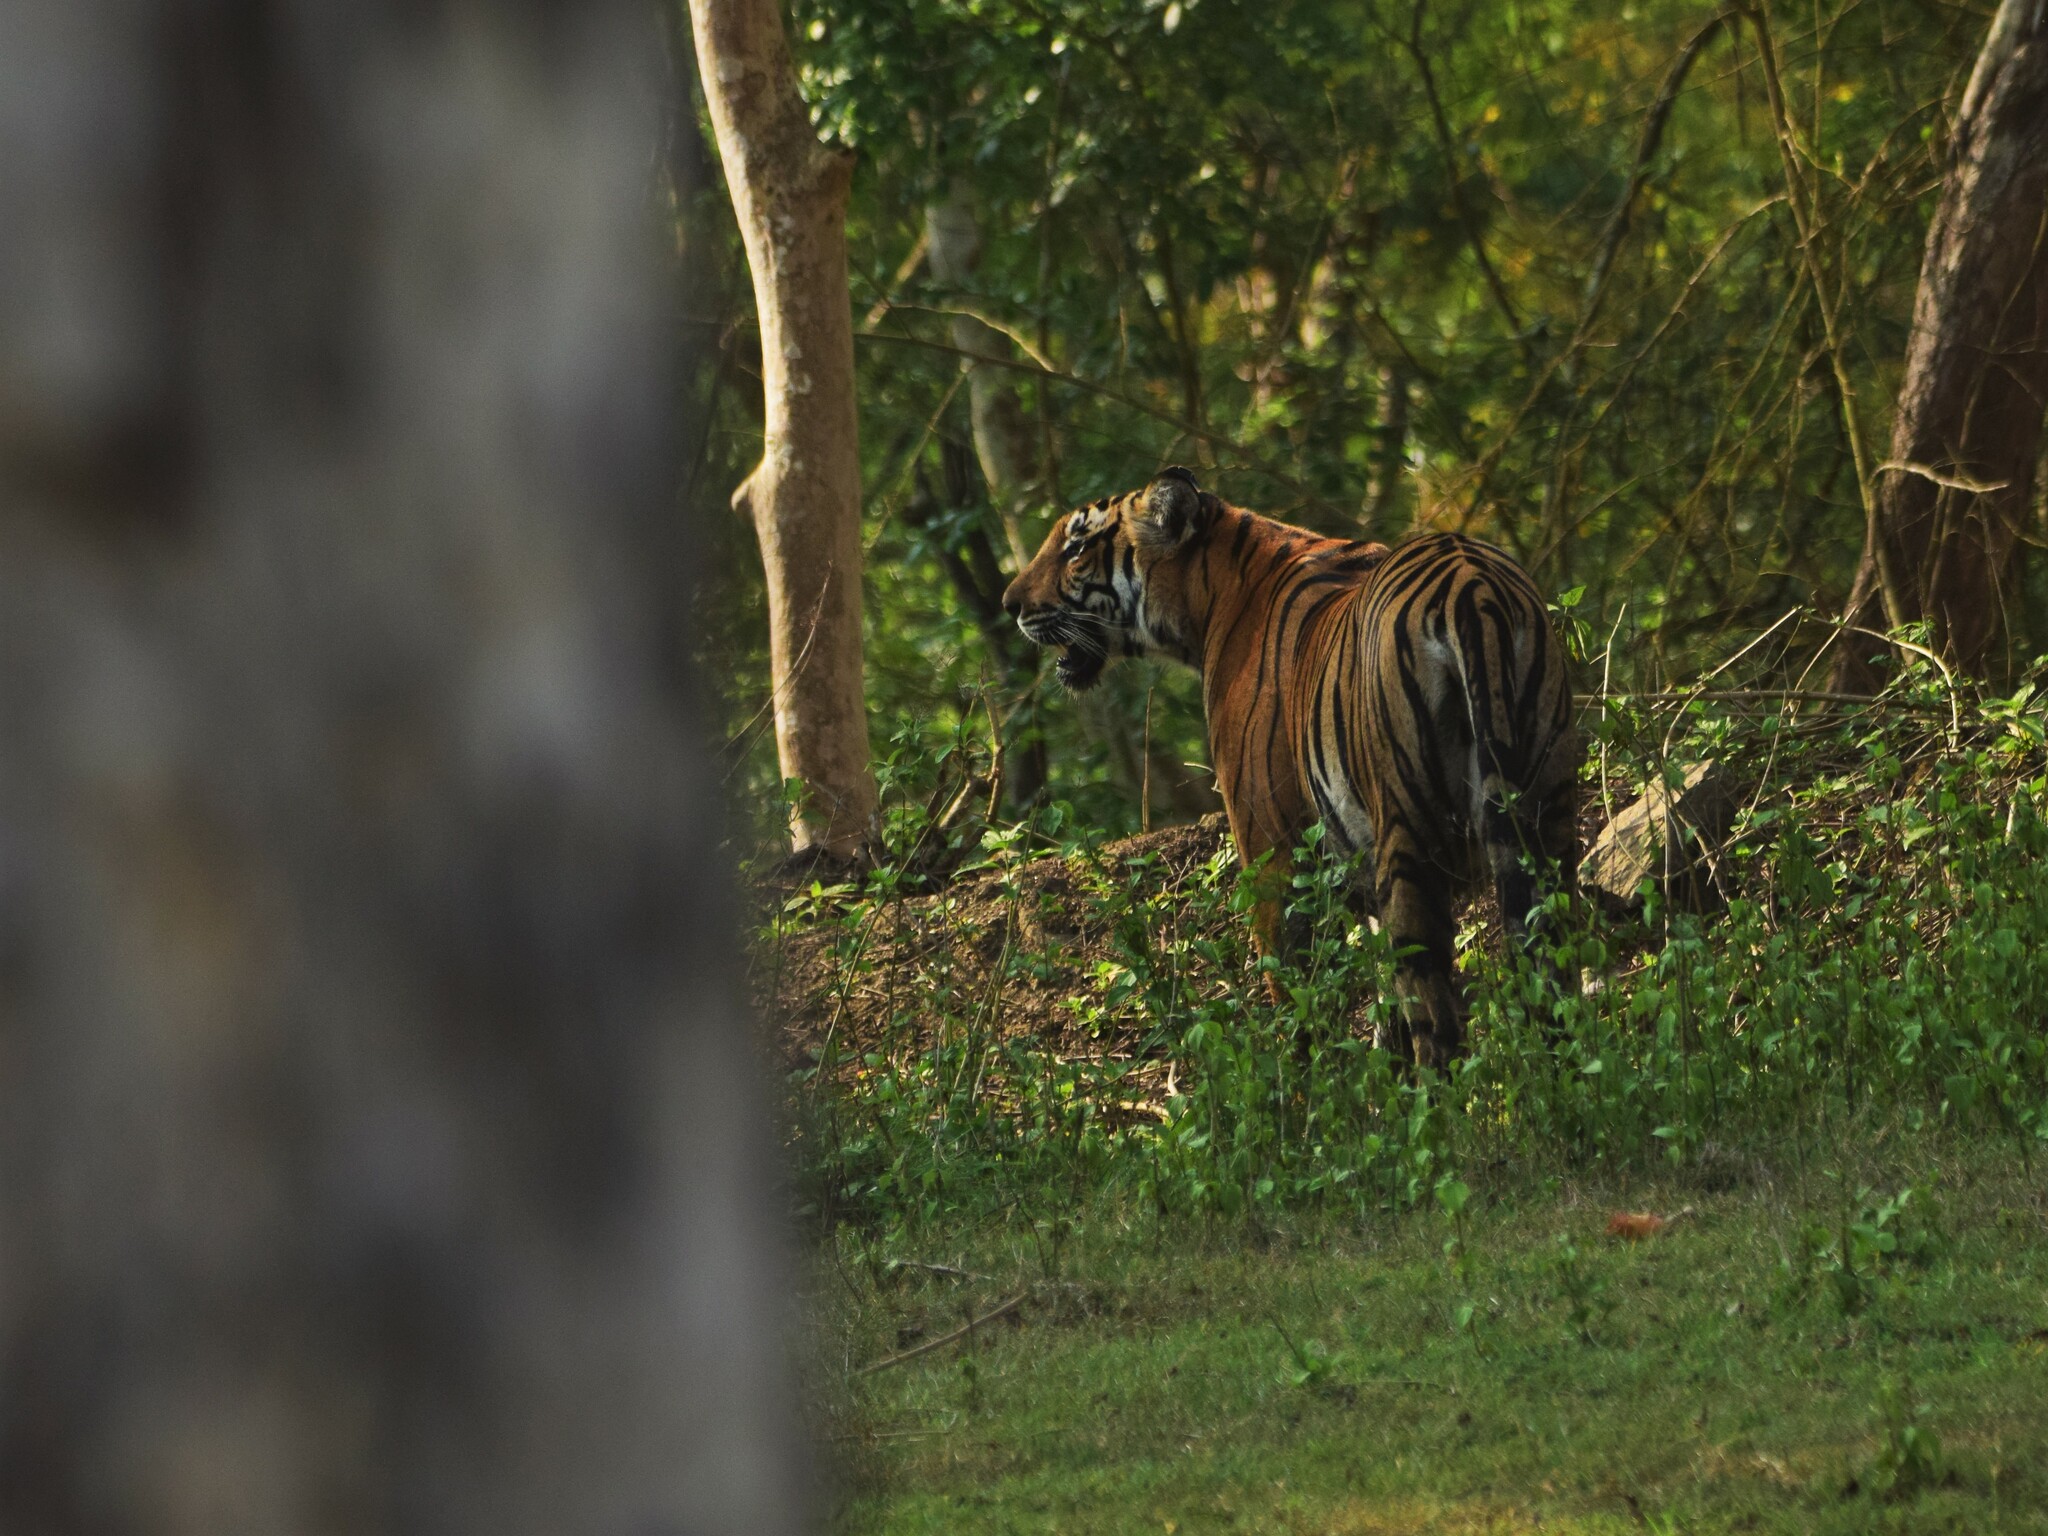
(1415, 700)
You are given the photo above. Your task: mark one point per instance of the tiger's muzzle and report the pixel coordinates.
(1083, 647)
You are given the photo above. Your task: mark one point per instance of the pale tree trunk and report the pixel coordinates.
(790, 194)
(1002, 435)
(1966, 439)
(379, 1149)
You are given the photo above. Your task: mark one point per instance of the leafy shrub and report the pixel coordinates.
(1883, 951)
(1909, 1453)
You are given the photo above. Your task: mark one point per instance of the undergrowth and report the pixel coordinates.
(1881, 944)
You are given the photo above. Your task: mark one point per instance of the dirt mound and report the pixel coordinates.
(867, 978)
(871, 975)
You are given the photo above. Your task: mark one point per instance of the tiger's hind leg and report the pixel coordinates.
(1512, 837)
(1557, 837)
(1510, 856)
(1389, 1034)
(1531, 839)
(1414, 900)
(1532, 851)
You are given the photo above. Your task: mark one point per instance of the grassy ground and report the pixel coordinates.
(1791, 1356)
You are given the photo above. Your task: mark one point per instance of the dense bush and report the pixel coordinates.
(1882, 958)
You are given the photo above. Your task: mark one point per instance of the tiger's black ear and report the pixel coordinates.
(1177, 511)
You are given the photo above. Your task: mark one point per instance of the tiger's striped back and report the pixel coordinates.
(1466, 694)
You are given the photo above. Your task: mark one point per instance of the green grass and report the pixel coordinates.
(1269, 1280)
(1511, 1369)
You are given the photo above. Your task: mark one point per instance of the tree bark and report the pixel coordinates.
(790, 194)
(1139, 762)
(1966, 438)
(1390, 451)
(379, 1150)
(1002, 435)
(970, 562)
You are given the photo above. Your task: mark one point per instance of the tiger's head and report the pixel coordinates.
(1106, 580)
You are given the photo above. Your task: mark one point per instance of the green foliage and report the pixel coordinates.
(1312, 1362)
(1909, 1458)
(1883, 951)
(1870, 1242)
(1248, 235)
(1582, 1288)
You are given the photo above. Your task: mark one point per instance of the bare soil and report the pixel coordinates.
(866, 980)
(864, 983)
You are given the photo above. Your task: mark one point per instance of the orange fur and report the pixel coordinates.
(1414, 699)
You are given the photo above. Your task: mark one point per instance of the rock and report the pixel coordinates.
(1669, 837)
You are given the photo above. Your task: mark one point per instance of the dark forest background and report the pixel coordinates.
(1561, 276)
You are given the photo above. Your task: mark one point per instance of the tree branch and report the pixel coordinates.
(1447, 142)
(1003, 1310)
(1639, 173)
(1806, 218)
(1250, 459)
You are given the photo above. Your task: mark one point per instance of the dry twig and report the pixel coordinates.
(1003, 1309)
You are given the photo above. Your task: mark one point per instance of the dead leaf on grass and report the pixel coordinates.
(1634, 1226)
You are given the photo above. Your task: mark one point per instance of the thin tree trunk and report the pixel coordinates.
(1004, 448)
(1390, 451)
(1966, 439)
(790, 194)
(1002, 435)
(1140, 764)
(1183, 338)
(378, 1148)
(971, 565)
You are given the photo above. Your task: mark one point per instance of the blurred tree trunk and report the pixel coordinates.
(790, 194)
(1966, 439)
(379, 1150)
(1002, 435)
(1114, 715)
